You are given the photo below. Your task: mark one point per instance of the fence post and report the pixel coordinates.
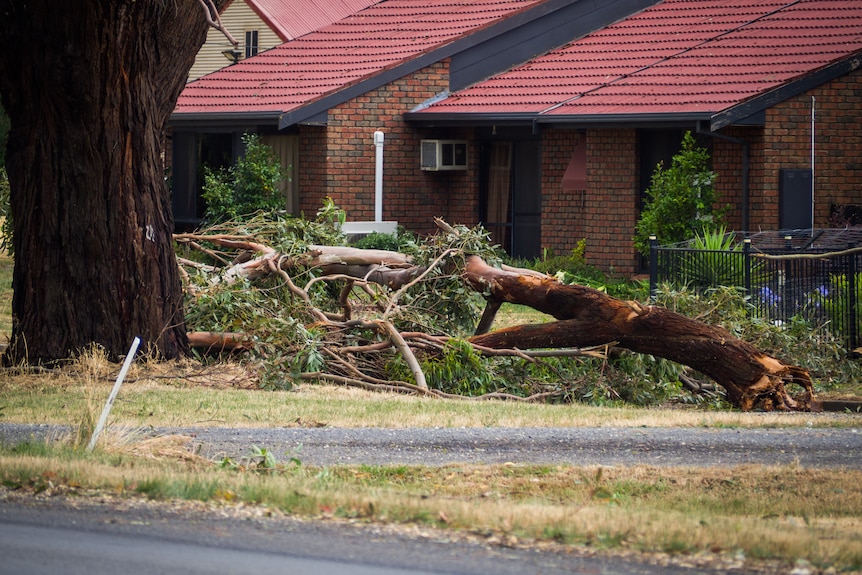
(653, 267)
(852, 310)
(787, 307)
(746, 255)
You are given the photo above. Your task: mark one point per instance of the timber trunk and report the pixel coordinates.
(88, 95)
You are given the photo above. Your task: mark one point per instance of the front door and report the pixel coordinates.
(512, 197)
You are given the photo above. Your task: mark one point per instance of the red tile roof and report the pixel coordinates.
(291, 19)
(336, 56)
(677, 57)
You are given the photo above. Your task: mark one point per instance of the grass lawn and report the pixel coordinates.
(765, 517)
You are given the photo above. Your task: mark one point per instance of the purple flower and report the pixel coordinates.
(768, 296)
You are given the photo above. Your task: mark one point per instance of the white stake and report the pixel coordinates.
(117, 384)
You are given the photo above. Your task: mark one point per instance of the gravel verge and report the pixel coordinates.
(690, 447)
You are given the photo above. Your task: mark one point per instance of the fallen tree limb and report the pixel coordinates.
(588, 317)
(216, 342)
(588, 321)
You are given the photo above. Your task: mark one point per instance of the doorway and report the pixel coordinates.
(511, 195)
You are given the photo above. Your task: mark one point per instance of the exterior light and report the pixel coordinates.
(232, 54)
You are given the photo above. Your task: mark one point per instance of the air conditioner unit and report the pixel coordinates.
(439, 155)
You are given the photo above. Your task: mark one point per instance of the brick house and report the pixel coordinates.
(563, 108)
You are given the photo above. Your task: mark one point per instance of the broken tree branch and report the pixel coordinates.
(213, 19)
(588, 317)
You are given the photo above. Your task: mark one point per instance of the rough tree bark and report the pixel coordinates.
(88, 93)
(588, 317)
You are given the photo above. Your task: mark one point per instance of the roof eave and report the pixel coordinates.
(442, 119)
(194, 119)
(654, 119)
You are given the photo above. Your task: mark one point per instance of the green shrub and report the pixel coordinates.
(572, 268)
(679, 202)
(717, 260)
(835, 299)
(403, 241)
(250, 186)
(459, 369)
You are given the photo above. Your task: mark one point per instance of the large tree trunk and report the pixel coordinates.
(88, 87)
(589, 317)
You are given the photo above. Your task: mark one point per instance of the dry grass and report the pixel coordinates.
(5, 298)
(187, 394)
(716, 516)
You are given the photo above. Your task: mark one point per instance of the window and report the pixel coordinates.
(250, 43)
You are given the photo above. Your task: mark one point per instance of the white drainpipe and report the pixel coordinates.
(378, 177)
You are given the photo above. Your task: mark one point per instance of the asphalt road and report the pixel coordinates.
(55, 536)
(52, 535)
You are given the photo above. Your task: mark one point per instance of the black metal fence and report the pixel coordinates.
(812, 274)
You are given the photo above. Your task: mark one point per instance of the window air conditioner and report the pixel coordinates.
(439, 155)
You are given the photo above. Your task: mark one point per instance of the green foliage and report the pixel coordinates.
(262, 458)
(247, 187)
(835, 300)
(715, 239)
(717, 260)
(378, 241)
(550, 263)
(285, 346)
(680, 199)
(288, 344)
(459, 369)
(572, 268)
(442, 303)
(403, 241)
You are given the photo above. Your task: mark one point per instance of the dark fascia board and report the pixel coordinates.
(759, 104)
(545, 11)
(445, 120)
(623, 120)
(222, 119)
(557, 23)
(427, 120)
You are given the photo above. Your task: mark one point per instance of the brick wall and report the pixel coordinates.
(727, 164)
(312, 169)
(338, 159)
(563, 218)
(785, 142)
(838, 163)
(610, 209)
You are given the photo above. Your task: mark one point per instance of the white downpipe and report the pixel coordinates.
(813, 140)
(378, 177)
